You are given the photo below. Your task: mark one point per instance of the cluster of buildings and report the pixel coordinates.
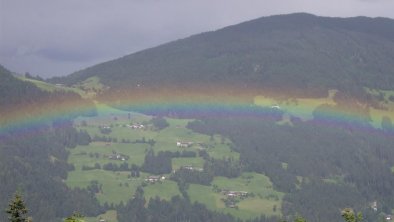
(117, 156)
(374, 206)
(234, 194)
(154, 179)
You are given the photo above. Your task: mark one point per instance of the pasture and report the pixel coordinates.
(262, 199)
(119, 187)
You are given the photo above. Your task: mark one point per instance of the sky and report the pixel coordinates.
(58, 37)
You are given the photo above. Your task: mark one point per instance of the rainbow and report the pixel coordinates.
(195, 102)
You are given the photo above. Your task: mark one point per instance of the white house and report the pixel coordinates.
(184, 144)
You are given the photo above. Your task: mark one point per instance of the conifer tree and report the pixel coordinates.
(17, 210)
(299, 219)
(350, 216)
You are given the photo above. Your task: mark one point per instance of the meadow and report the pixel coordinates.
(303, 108)
(118, 186)
(262, 197)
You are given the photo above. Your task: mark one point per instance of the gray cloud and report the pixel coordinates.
(57, 37)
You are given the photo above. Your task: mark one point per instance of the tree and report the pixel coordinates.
(350, 216)
(76, 217)
(17, 210)
(159, 123)
(299, 219)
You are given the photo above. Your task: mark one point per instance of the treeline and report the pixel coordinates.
(192, 176)
(162, 210)
(226, 167)
(157, 164)
(109, 139)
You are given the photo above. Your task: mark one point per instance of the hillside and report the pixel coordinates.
(32, 145)
(279, 116)
(297, 53)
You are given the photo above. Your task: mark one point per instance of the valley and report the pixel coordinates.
(116, 186)
(272, 119)
(111, 166)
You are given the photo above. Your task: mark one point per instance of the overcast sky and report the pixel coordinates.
(58, 37)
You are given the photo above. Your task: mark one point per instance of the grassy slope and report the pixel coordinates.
(388, 111)
(299, 107)
(165, 140)
(304, 107)
(118, 187)
(51, 87)
(264, 199)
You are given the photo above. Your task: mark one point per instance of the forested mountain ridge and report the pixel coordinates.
(297, 53)
(34, 161)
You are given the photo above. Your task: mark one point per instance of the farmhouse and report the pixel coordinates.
(184, 144)
(374, 206)
(191, 168)
(136, 126)
(154, 179)
(233, 194)
(118, 156)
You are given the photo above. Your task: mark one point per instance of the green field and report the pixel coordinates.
(164, 190)
(51, 87)
(299, 107)
(304, 107)
(263, 197)
(135, 151)
(118, 186)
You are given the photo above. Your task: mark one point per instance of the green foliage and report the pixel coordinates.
(192, 176)
(159, 164)
(299, 219)
(350, 216)
(223, 167)
(17, 210)
(159, 123)
(76, 217)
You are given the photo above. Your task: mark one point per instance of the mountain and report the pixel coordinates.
(33, 157)
(320, 165)
(297, 53)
